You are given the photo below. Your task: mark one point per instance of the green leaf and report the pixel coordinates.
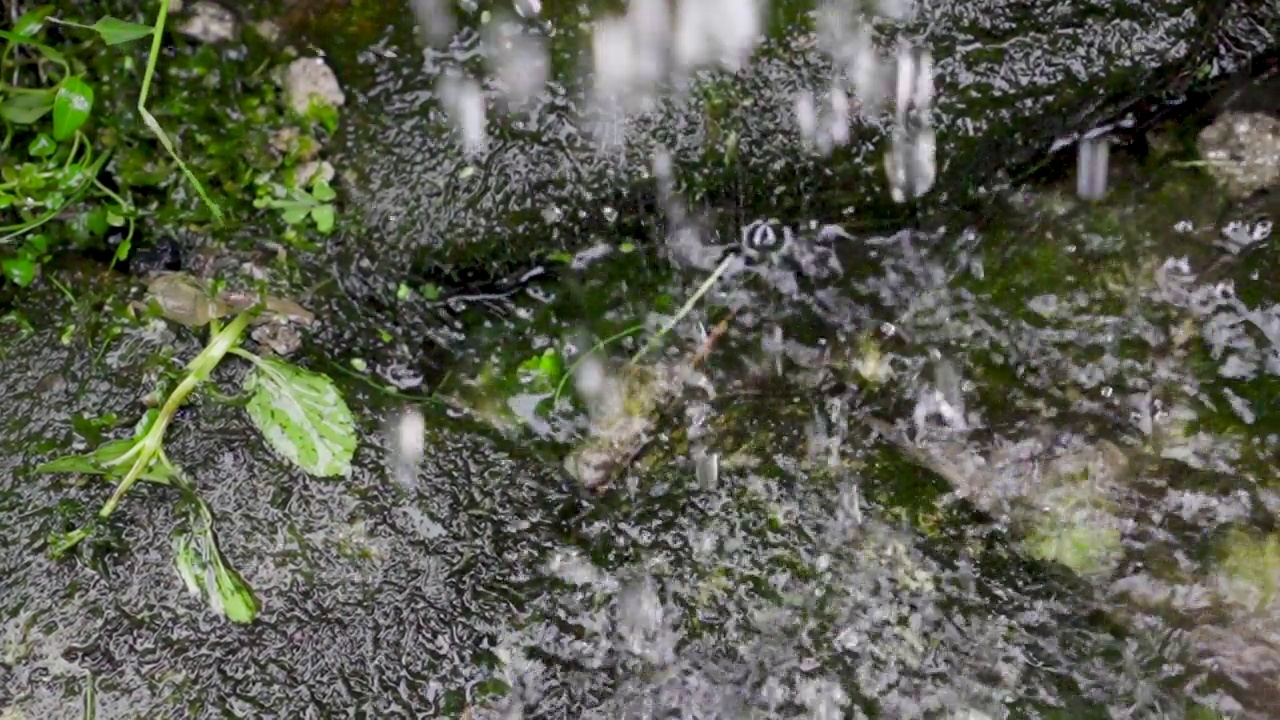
(26, 108)
(294, 215)
(103, 461)
(206, 574)
(32, 21)
(45, 50)
(302, 416)
(115, 31)
(323, 217)
(36, 245)
(71, 107)
(42, 146)
(322, 191)
(96, 221)
(20, 271)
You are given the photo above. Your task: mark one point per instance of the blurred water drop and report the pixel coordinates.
(1091, 168)
(408, 444)
(716, 31)
(807, 117)
(435, 21)
(528, 8)
(707, 470)
(911, 162)
(601, 394)
(642, 624)
(519, 61)
(465, 103)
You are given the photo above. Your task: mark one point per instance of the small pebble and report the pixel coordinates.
(310, 80)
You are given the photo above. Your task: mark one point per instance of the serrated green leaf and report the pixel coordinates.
(115, 31)
(302, 416)
(71, 107)
(26, 108)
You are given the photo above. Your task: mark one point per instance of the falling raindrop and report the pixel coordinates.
(408, 443)
(465, 102)
(1091, 168)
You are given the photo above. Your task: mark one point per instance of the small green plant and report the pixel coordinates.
(297, 205)
(58, 167)
(299, 413)
(114, 32)
(51, 164)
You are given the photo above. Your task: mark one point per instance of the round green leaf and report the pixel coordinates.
(42, 146)
(323, 191)
(71, 107)
(18, 270)
(323, 217)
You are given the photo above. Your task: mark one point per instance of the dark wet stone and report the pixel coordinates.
(1011, 78)
(161, 254)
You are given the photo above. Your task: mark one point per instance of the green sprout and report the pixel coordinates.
(299, 413)
(296, 205)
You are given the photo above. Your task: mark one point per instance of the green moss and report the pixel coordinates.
(1254, 561)
(1087, 548)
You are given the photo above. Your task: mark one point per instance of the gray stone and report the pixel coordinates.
(210, 22)
(309, 80)
(1242, 152)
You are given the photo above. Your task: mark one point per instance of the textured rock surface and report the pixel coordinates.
(1011, 78)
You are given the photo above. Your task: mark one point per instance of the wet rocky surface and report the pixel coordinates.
(1018, 469)
(542, 181)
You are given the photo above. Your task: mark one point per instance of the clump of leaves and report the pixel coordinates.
(299, 413)
(298, 205)
(50, 164)
(44, 108)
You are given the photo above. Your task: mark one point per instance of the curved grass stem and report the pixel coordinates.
(150, 121)
(684, 310)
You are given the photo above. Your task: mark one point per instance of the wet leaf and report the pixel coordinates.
(42, 146)
(20, 271)
(302, 416)
(115, 31)
(32, 21)
(103, 461)
(323, 217)
(206, 574)
(26, 108)
(71, 107)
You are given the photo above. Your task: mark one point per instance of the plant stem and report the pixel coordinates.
(687, 307)
(198, 371)
(150, 121)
